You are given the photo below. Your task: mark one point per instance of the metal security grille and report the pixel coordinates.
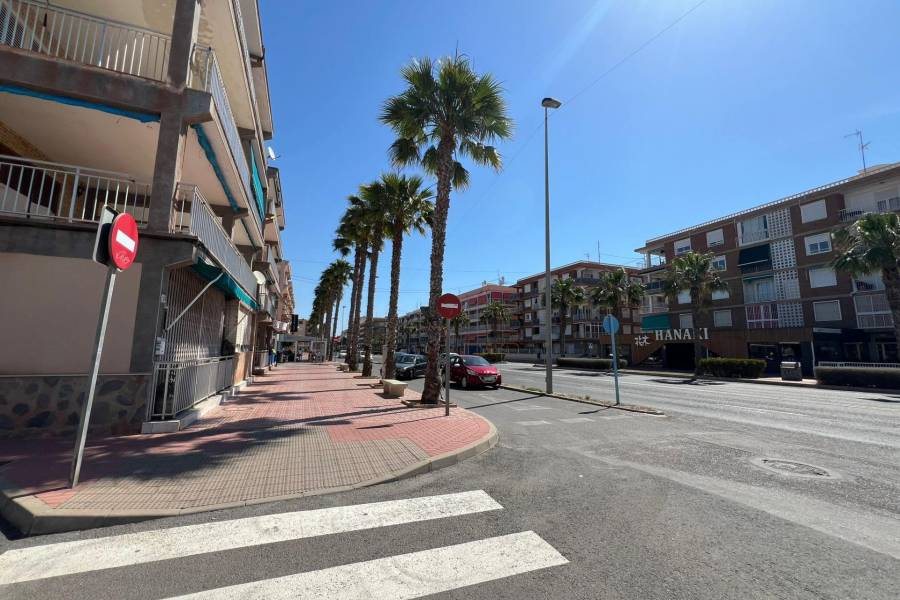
(198, 334)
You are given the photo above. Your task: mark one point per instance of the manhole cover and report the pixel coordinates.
(790, 467)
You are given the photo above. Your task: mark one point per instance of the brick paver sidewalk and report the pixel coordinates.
(300, 429)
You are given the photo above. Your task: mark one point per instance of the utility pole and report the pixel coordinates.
(548, 103)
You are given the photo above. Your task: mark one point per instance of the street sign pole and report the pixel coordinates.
(95, 370)
(615, 359)
(447, 374)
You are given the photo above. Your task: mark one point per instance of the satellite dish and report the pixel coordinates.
(271, 152)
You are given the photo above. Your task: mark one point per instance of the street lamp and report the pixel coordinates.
(548, 103)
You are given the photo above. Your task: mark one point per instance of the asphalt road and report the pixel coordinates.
(741, 491)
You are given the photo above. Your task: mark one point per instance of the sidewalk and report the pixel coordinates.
(301, 429)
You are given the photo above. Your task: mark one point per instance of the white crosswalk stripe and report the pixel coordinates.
(66, 558)
(404, 576)
(410, 575)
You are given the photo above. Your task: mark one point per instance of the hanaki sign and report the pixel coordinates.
(449, 306)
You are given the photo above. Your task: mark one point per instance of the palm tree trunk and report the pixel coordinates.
(334, 325)
(391, 342)
(891, 279)
(353, 353)
(698, 345)
(353, 285)
(327, 330)
(562, 331)
(370, 312)
(432, 389)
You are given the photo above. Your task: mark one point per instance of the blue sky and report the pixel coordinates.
(739, 104)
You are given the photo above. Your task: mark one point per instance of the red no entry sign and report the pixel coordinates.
(123, 241)
(449, 306)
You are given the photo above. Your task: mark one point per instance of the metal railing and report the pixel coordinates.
(178, 386)
(206, 76)
(852, 214)
(872, 365)
(41, 189)
(192, 214)
(75, 36)
(875, 321)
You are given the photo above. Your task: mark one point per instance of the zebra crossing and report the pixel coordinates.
(399, 576)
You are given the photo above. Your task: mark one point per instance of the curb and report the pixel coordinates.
(626, 407)
(31, 516)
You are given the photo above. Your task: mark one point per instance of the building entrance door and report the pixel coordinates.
(680, 356)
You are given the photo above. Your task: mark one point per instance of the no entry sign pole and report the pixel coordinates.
(115, 247)
(448, 307)
(611, 325)
(95, 371)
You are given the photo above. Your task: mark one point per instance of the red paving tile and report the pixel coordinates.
(301, 428)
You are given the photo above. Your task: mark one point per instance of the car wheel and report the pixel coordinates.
(464, 383)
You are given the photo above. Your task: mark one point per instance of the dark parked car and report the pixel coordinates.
(409, 366)
(470, 371)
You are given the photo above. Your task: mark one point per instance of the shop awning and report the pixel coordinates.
(225, 283)
(653, 322)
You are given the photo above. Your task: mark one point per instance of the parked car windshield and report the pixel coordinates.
(406, 358)
(475, 361)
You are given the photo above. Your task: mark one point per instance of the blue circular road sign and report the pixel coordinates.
(610, 324)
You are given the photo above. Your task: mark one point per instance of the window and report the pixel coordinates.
(759, 290)
(715, 237)
(814, 211)
(719, 263)
(818, 244)
(686, 321)
(684, 297)
(827, 311)
(754, 229)
(528, 317)
(720, 295)
(722, 318)
(683, 246)
(822, 277)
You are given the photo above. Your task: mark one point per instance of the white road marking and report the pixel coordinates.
(66, 558)
(531, 408)
(577, 420)
(532, 423)
(404, 576)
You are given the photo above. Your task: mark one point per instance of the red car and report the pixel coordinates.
(470, 371)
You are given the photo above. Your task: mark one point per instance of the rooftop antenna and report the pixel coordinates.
(271, 153)
(862, 146)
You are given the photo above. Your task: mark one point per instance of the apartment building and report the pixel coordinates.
(584, 334)
(161, 110)
(411, 334)
(783, 300)
(479, 333)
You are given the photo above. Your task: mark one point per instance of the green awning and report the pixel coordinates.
(225, 283)
(653, 322)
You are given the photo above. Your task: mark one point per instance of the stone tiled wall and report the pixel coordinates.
(50, 405)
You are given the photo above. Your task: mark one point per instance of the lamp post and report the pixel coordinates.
(548, 103)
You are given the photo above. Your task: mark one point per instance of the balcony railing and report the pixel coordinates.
(191, 214)
(852, 214)
(206, 76)
(75, 36)
(37, 189)
(875, 321)
(762, 316)
(654, 287)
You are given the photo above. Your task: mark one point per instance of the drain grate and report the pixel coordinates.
(790, 467)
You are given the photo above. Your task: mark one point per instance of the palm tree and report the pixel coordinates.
(447, 111)
(693, 272)
(495, 313)
(407, 207)
(456, 322)
(374, 197)
(352, 235)
(616, 291)
(339, 274)
(564, 295)
(872, 245)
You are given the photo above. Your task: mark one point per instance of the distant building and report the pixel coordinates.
(478, 334)
(784, 301)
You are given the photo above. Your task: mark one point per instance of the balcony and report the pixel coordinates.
(654, 287)
(192, 215)
(873, 312)
(752, 237)
(75, 36)
(205, 75)
(762, 316)
(868, 283)
(883, 206)
(35, 189)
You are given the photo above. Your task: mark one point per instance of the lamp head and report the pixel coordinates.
(551, 103)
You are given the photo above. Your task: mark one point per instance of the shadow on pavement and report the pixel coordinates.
(700, 382)
(505, 401)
